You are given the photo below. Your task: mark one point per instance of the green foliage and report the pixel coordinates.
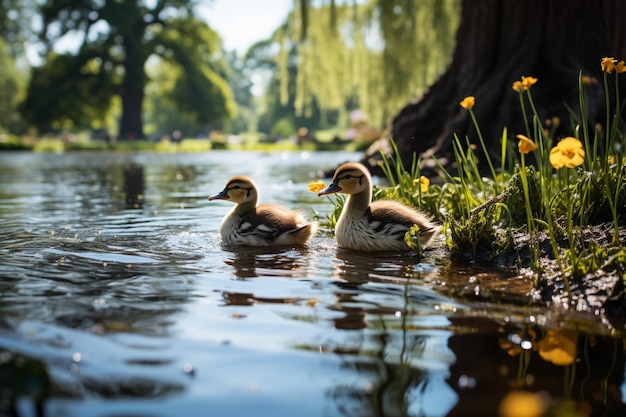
(611, 258)
(283, 127)
(585, 190)
(15, 25)
(379, 53)
(515, 199)
(412, 240)
(12, 84)
(69, 91)
(200, 87)
(81, 87)
(279, 100)
(338, 201)
(480, 236)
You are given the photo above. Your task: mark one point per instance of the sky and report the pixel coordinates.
(242, 23)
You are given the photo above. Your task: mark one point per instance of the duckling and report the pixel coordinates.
(373, 226)
(264, 225)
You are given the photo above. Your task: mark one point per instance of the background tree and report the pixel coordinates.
(12, 85)
(278, 114)
(376, 53)
(241, 84)
(16, 17)
(15, 31)
(116, 41)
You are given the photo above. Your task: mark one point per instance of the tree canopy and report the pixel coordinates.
(378, 54)
(116, 41)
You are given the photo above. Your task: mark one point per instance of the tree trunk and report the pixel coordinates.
(497, 43)
(131, 123)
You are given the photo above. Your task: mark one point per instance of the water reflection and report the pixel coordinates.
(29, 380)
(399, 362)
(578, 375)
(134, 186)
(252, 262)
(353, 268)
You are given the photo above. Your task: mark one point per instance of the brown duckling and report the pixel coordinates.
(264, 225)
(373, 226)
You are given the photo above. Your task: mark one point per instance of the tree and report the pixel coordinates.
(117, 39)
(15, 31)
(12, 82)
(378, 53)
(497, 43)
(15, 24)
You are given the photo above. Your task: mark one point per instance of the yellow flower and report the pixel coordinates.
(317, 186)
(568, 153)
(468, 102)
(518, 87)
(558, 347)
(620, 67)
(608, 64)
(525, 145)
(527, 82)
(424, 183)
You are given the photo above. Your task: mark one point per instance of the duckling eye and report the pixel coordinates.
(236, 187)
(347, 177)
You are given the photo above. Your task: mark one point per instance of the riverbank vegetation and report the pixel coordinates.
(552, 207)
(327, 140)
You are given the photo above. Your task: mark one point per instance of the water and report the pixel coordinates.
(117, 299)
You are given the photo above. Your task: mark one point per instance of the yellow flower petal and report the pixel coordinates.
(527, 82)
(424, 183)
(558, 347)
(556, 158)
(567, 153)
(317, 186)
(620, 67)
(468, 102)
(608, 64)
(518, 87)
(525, 145)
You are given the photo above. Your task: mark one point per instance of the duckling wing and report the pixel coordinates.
(268, 222)
(397, 218)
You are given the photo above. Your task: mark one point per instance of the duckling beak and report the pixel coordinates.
(331, 189)
(221, 196)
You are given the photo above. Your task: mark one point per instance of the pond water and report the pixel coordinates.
(118, 299)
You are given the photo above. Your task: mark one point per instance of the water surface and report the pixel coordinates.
(118, 299)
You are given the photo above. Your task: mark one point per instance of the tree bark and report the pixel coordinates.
(497, 43)
(132, 95)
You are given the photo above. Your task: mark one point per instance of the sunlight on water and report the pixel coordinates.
(117, 298)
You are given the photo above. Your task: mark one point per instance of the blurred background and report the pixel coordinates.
(95, 73)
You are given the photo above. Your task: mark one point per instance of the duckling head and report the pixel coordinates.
(350, 178)
(239, 190)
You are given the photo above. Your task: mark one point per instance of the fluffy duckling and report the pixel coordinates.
(373, 226)
(263, 225)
